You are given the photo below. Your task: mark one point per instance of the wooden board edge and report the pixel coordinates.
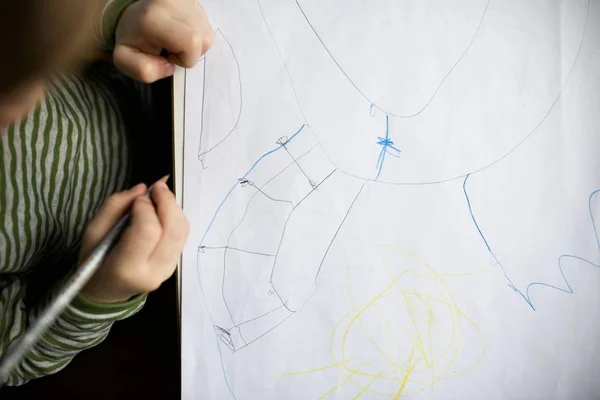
(178, 101)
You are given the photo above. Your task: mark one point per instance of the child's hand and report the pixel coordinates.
(147, 27)
(148, 251)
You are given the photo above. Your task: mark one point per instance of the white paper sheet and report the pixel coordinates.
(393, 199)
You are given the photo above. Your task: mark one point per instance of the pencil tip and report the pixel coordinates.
(165, 178)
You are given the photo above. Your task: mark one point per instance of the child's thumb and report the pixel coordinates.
(144, 67)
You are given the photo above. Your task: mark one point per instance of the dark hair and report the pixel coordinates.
(38, 37)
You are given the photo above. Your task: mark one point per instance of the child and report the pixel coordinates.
(64, 152)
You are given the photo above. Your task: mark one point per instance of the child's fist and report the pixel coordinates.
(146, 254)
(148, 27)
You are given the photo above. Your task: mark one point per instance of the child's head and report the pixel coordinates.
(39, 38)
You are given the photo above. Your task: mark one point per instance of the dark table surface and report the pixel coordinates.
(139, 359)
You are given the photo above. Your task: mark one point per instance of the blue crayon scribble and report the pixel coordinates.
(525, 295)
(387, 147)
(236, 184)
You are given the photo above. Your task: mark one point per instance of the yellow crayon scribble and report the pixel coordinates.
(310, 371)
(399, 392)
(415, 314)
(363, 309)
(336, 387)
(359, 394)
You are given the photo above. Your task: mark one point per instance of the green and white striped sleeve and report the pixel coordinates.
(106, 27)
(84, 324)
(57, 166)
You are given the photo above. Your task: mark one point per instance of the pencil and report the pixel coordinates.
(72, 287)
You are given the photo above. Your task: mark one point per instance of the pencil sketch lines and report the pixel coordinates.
(373, 106)
(249, 251)
(282, 142)
(365, 96)
(272, 262)
(256, 163)
(267, 314)
(338, 230)
(225, 55)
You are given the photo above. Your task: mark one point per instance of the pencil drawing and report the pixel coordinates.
(284, 57)
(221, 55)
(394, 113)
(277, 224)
(250, 322)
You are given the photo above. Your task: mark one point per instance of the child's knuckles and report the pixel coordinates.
(148, 231)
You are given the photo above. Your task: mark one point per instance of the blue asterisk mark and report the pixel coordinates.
(387, 147)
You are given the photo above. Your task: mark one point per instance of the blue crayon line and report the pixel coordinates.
(385, 144)
(280, 146)
(236, 184)
(525, 295)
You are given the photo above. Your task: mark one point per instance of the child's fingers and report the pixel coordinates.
(187, 36)
(109, 214)
(175, 229)
(140, 65)
(142, 235)
(196, 46)
(184, 41)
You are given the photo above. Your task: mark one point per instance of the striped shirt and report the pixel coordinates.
(57, 166)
